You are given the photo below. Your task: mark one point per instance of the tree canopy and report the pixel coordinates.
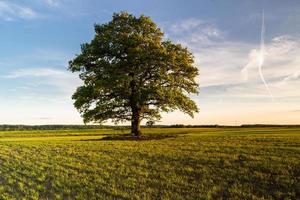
(131, 73)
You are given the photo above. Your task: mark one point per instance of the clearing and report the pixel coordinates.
(167, 163)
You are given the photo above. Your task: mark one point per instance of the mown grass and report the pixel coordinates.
(181, 163)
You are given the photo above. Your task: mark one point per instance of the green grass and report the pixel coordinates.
(183, 163)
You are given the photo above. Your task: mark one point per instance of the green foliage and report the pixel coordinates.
(150, 123)
(130, 73)
(196, 163)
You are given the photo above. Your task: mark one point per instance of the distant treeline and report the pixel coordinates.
(65, 127)
(270, 125)
(228, 126)
(46, 127)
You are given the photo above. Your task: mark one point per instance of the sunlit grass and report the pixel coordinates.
(197, 163)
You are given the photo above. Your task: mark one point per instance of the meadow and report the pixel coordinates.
(167, 163)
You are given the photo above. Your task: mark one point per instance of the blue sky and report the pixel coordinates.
(39, 37)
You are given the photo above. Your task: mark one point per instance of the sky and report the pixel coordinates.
(39, 37)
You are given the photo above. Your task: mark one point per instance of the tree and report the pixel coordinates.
(130, 73)
(150, 123)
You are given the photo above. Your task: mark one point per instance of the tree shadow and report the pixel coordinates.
(129, 137)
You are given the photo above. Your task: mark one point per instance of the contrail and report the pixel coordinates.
(261, 55)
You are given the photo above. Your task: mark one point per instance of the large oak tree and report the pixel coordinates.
(131, 73)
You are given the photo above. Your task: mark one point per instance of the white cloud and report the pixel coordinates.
(294, 76)
(10, 11)
(43, 92)
(61, 80)
(221, 64)
(192, 31)
(221, 61)
(37, 72)
(52, 3)
(37, 58)
(282, 64)
(27, 78)
(186, 25)
(281, 57)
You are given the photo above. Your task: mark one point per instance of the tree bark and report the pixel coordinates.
(135, 122)
(136, 111)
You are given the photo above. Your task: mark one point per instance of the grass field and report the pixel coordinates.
(182, 163)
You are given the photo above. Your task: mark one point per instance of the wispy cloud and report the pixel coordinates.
(36, 58)
(282, 62)
(186, 25)
(196, 30)
(11, 11)
(221, 61)
(63, 81)
(37, 72)
(293, 76)
(281, 70)
(52, 3)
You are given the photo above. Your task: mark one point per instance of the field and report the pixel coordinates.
(179, 163)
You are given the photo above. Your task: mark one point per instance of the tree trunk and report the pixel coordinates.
(135, 122)
(136, 111)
